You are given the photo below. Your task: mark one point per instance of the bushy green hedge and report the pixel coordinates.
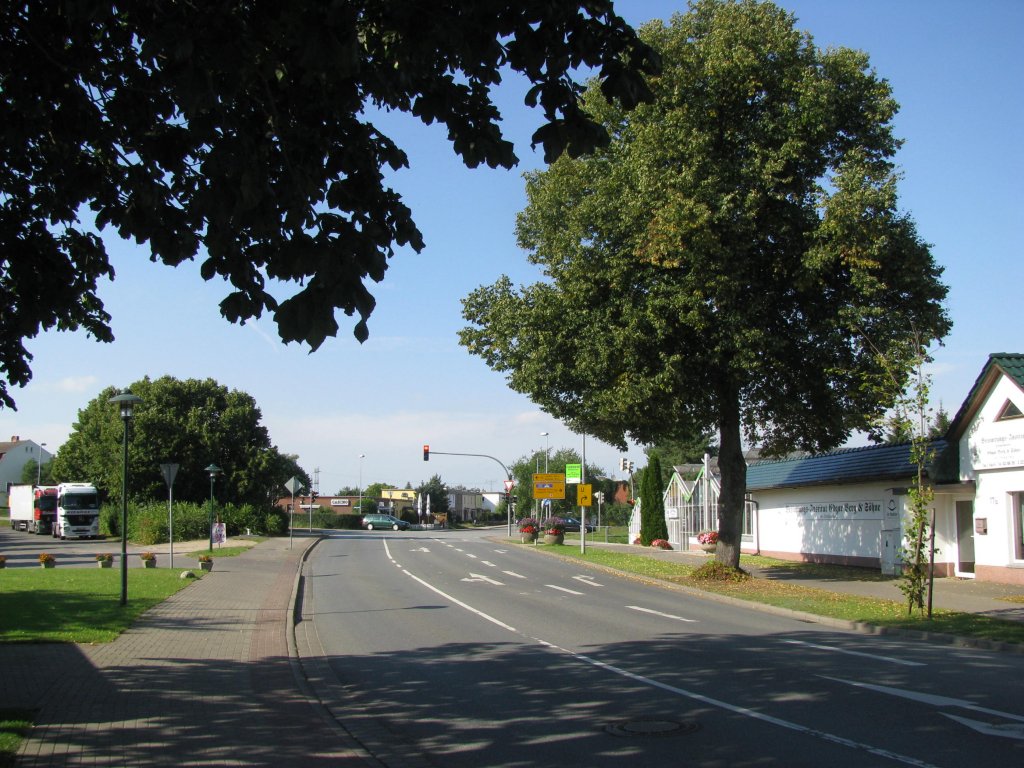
(147, 522)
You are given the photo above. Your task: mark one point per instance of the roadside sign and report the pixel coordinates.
(509, 485)
(583, 495)
(548, 486)
(573, 473)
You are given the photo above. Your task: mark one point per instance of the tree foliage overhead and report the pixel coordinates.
(735, 258)
(191, 423)
(237, 132)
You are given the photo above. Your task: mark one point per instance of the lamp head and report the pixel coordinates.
(126, 403)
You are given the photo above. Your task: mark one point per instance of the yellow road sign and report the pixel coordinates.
(548, 486)
(583, 495)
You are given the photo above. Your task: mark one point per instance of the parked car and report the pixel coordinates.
(384, 521)
(572, 524)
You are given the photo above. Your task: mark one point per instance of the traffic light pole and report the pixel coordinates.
(426, 457)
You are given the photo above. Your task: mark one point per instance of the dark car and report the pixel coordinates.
(572, 524)
(384, 521)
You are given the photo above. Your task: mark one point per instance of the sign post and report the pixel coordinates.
(170, 471)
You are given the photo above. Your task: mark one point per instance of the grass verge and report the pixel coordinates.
(820, 602)
(78, 605)
(14, 724)
(220, 552)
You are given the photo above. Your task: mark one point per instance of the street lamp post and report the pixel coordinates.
(547, 449)
(39, 464)
(126, 402)
(361, 457)
(214, 470)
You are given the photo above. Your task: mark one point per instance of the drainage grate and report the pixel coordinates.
(646, 728)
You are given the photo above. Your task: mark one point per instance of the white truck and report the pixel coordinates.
(33, 508)
(78, 511)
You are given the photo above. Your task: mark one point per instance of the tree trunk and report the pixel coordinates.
(733, 468)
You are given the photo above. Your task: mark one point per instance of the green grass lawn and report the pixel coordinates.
(820, 602)
(77, 605)
(221, 552)
(14, 724)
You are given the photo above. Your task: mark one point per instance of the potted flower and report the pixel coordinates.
(708, 540)
(148, 559)
(528, 530)
(205, 562)
(661, 544)
(554, 530)
(104, 560)
(46, 560)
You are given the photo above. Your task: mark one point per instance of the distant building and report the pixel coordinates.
(14, 455)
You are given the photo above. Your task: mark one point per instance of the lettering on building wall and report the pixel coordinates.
(835, 510)
(339, 502)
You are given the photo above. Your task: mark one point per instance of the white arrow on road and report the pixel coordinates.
(480, 577)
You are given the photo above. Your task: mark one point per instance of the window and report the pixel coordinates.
(1010, 410)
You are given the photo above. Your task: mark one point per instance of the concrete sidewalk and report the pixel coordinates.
(205, 678)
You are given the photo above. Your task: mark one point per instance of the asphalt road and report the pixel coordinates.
(447, 649)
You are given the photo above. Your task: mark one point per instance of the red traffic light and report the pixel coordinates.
(426, 453)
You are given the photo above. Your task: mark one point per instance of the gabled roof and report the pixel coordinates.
(1009, 364)
(847, 465)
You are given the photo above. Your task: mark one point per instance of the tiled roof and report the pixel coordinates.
(847, 465)
(1010, 364)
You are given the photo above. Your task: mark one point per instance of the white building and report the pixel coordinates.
(14, 455)
(849, 506)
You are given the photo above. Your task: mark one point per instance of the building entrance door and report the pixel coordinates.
(965, 538)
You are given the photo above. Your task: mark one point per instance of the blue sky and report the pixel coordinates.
(957, 72)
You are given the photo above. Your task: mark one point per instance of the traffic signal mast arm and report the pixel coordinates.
(426, 457)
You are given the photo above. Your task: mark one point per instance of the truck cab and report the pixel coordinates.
(78, 511)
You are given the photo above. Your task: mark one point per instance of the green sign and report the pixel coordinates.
(573, 473)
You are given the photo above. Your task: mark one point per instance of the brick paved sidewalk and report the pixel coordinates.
(205, 678)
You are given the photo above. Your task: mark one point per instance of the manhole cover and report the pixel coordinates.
(645, 728)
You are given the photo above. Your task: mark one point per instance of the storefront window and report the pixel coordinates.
(1018, 525)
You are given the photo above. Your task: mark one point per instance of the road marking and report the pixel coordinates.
(480, 577)
(659, 613)
(890, 659)
(514, 575)
(588, 580)
(488, 562)
(501, 551)
(421, 549)
(563, 589)
(1007, 730)
(927, 698)
(812, 732)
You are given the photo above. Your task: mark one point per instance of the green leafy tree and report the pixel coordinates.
(652, 503)
(241, 134)
(524, 468)
(684, 450)
(32, 471)
(192, 423)
(727, 256)
(438, 493)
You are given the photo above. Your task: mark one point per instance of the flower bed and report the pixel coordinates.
(661, 544)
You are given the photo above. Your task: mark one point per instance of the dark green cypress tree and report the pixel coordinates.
(652, 504)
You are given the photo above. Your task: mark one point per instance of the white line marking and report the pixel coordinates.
(588, 580)
(659, 613)
(470, 555)
(890, 659)
(488, 562)
(563, 589)
(514, 575)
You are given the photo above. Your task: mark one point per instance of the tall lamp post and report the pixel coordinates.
(39, 464)
(361, 457)
(214, 470)
(126, 402)
(547, 449)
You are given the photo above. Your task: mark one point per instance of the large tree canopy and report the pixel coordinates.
(734, 260)
(238, 132)
(191, 423)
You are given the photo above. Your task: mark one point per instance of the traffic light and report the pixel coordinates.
(623, 464)
(312, 496)
(426, 453)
